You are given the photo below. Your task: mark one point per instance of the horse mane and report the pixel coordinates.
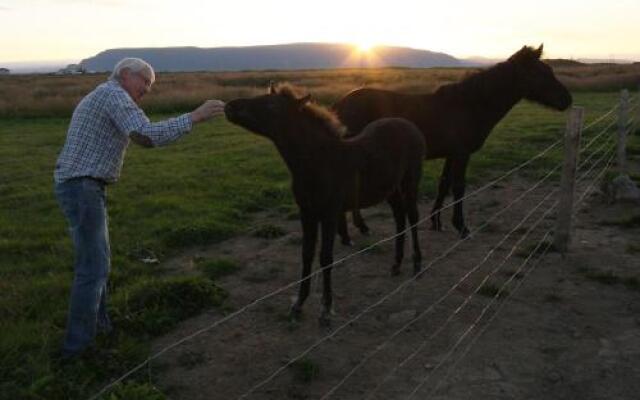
(315, 111)
(477, 82)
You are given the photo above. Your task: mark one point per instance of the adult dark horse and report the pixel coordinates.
(332, 175)
(458, 117)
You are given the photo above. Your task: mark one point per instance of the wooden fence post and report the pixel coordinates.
(573, 131)
(623, 120)
(636, 125)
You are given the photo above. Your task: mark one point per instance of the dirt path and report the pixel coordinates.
(564, 334)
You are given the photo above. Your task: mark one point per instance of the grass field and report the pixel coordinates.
(56, 96)
(198, 191)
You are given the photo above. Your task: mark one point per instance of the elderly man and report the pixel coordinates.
(102, 125)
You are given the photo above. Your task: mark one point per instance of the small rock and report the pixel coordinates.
(607, 349)
(492, 374)
(554, 376)
(510, 390)
(623, 188)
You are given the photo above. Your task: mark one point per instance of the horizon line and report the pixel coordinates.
(623, 58)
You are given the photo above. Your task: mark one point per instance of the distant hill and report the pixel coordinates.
(36, 67)
(286, 56)
(561, 62)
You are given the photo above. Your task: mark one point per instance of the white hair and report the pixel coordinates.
(134, 65)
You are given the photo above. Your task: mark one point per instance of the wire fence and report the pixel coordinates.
(597, 152)
(466, 301)
(542, 242)
(48, 172)
(607, 141)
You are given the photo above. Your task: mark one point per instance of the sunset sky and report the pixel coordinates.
(36, 30)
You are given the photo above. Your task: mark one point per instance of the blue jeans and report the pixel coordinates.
(84, 203)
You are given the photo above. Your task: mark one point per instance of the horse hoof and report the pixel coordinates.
(395, 270)
(436, 226)
(464, 232)
(347, 242)
(417, 269)
(325, 319)
(295, 313)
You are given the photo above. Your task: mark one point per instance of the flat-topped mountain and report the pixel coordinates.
(285, 56)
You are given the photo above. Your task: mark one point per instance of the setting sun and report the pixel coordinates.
(364, 47)
(31, 30)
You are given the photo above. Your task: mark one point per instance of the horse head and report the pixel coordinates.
(537, 81)
(266, 115)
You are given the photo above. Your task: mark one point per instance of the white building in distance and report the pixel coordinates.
(72, 69)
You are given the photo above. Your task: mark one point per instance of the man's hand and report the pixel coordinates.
(207, 110)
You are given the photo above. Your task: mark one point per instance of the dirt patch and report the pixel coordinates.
(561, 332)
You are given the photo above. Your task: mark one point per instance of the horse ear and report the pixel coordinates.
(539, 51)
(272, 87)
(518, 54)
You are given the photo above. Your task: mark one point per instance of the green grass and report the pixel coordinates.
(214, 269)
(190, 360)
(535, 249)
(633, 144)
(633, 248)
(269, 231)
(364, 242)
(491, 290)
(134, 390)
(154, 306)
(628, 222)
(305, 370)
(608, 277)
(604, 277)
(196, 192)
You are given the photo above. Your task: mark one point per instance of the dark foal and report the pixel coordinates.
(458, 117)
(332, 175)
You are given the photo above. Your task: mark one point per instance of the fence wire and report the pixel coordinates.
(475, 323)
(340, 261)
(416, 319)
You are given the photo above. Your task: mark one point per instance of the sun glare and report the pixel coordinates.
(365, 47)
(363, 54)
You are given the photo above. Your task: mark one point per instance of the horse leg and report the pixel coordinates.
(443, 190)
(358, 221)
(343, 230)
(411, 201)
(458, 172)
(399, 215)
(326, 259)
(309, 238)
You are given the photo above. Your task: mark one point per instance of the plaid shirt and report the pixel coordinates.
(99, 131)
